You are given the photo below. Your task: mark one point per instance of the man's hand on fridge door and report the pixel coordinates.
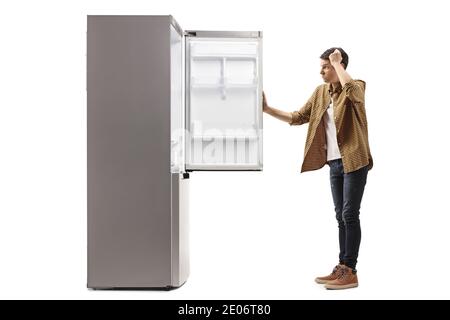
(265, 105)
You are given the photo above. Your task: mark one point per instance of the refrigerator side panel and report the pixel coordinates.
(128, 155)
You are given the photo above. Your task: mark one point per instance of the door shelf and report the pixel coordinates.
(242, 57)
(209, 137)
(224, 86)
(223, 166)
(218, 83)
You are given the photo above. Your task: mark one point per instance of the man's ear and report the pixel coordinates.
(343, 65)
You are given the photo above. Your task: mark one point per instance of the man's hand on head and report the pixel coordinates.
(335, 58)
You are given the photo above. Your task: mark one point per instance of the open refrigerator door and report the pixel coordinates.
(223, 84)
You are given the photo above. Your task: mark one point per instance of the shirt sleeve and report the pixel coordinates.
(354, 91)
(302, 116)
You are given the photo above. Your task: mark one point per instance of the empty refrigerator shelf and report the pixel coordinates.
(223, 85)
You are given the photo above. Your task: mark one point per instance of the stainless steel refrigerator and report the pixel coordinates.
(161, 103)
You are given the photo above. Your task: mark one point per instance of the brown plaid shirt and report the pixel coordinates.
(351, 126)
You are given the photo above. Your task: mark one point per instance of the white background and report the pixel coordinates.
(262, 235)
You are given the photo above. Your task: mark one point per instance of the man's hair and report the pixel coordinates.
(326, 55)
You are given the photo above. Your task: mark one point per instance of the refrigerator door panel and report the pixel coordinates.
(180, 229)
(223, 100)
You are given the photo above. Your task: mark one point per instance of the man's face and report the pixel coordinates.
(327, 72)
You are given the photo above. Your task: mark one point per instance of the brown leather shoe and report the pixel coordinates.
(345, 279)
(332, 276)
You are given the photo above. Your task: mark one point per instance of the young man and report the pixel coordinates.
(337, 136)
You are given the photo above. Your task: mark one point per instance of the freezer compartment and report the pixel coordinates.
(180, 229)
(223, 103)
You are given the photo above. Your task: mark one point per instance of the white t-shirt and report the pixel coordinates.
(330, 129)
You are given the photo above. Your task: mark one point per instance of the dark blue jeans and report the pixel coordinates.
(347, 190)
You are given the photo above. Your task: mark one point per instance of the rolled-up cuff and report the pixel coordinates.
(354, 90)
(295, 118)
(349, 85)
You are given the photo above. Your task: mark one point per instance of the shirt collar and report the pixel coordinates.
(332, 90)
